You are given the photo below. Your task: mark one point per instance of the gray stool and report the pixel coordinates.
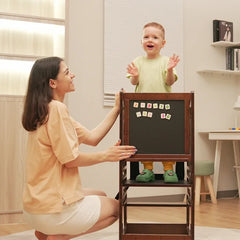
(203, 171)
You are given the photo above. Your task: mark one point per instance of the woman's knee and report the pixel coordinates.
(109, 207)
(89, 191)
(108, 214)
(101, 193)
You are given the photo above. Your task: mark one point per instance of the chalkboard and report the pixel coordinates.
(157, 126)
(157, 123)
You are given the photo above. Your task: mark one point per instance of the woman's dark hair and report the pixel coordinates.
(39, 93)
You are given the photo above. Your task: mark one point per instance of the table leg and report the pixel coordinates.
(217, 165)
(237, 163)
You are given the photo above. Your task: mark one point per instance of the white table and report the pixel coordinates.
(219, 136)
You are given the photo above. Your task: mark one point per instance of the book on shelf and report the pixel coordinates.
(233, 58)
(222, 31)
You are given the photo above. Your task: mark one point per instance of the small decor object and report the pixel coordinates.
(222, 31)
(236, 107)
(233, 58)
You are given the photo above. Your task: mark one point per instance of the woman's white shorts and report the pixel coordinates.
(74, 219)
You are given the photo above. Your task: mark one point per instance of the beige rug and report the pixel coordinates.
(111, 233)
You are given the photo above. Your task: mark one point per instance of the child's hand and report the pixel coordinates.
(132, 70)
(173, 61)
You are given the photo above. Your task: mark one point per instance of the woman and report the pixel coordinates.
(54, 202)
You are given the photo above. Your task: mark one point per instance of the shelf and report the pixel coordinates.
(225, 44)
(156, 183)
(222, 71)
(219, 71)
(162, 204)
(155, 231)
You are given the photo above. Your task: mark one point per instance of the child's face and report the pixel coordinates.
(152, 41)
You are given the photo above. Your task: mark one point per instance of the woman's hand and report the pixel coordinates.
(117, 101)
(119, 152)
(112, 154)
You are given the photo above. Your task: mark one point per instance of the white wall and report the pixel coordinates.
(85, 58)
(122, 37)
(214, 94)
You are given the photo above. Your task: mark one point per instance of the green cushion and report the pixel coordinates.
(204, 168)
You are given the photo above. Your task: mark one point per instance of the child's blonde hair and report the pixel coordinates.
(156, 25)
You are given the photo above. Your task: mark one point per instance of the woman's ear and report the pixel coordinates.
(52, 83)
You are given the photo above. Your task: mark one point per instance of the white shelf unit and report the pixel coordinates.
(222, 44)
(219, 71)
(225, 44)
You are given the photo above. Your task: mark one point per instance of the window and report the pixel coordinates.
(29, 30)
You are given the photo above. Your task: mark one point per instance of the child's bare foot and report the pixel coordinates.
(40, 235)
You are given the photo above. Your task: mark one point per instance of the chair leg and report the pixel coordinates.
(197, 189)
(203, 196)
(210, 188)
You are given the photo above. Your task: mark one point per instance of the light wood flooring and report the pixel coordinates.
(224, 214)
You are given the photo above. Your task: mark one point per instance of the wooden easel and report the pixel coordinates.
(157, 138)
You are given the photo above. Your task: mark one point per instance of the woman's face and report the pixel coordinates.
(64, 81)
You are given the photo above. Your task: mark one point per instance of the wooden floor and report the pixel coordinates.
(224, 214)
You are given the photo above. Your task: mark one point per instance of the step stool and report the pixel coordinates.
(203, 172)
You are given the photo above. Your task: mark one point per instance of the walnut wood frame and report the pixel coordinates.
(157, 231)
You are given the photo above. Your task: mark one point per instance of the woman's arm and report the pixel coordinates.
(113, 154)
(98, 133)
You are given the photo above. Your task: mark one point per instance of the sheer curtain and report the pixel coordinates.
(29, 29)
(41, 8)
(19, 49)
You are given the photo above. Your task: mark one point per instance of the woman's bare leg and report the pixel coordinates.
(108, 215)
(90, 191)
(40, 236)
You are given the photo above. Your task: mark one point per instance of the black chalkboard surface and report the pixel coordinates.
(157, 126)
(156, 123)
